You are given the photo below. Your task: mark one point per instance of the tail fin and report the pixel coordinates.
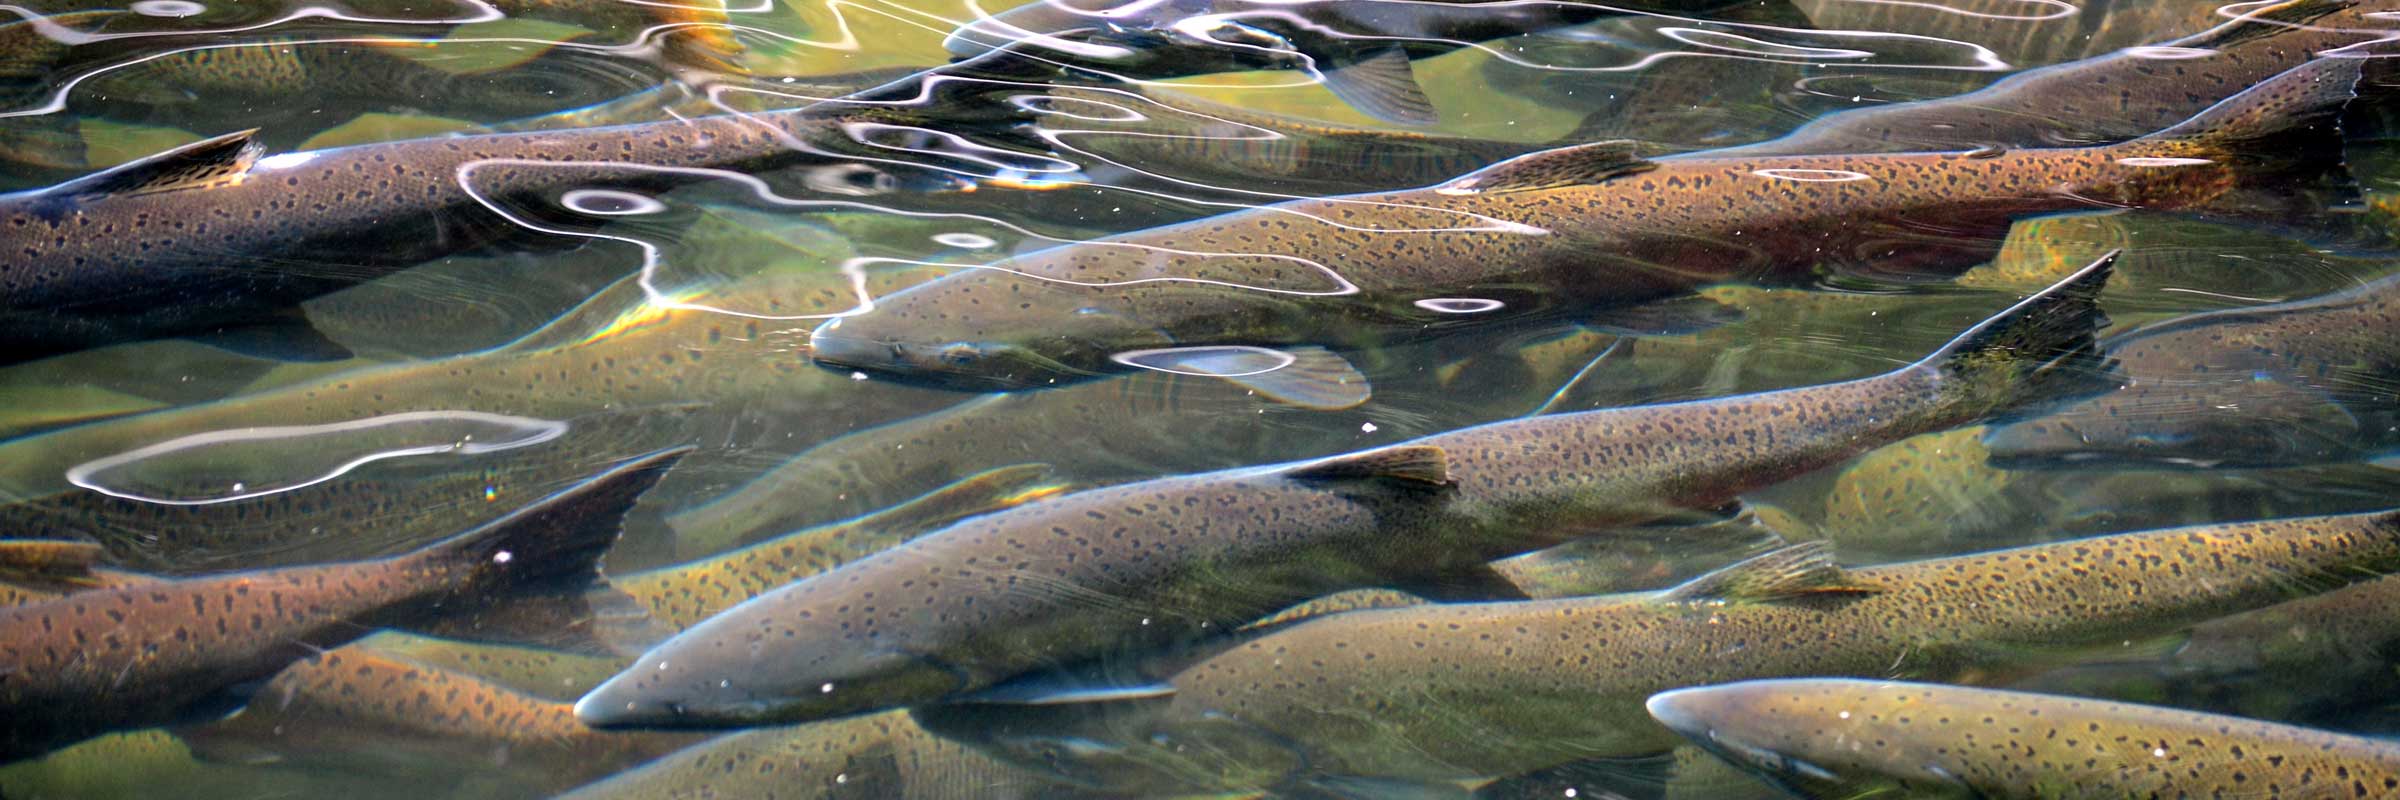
(2043, 348)
(2282, 141)
(529, 576)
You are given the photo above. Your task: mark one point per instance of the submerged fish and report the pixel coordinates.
(358, 710)
(1359, 49)
(1851, 738)
(141, 250)
(2110, 98)
(1172, 559)
(2312, 381)
(163, 651)
(650, 359)
(1464, 692)
(1573, 232)
(883, 756)
(681, 596)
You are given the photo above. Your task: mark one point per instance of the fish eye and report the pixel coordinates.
(959, 354)
(1224, 30)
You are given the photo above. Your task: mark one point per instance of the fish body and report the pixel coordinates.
(620, 350)
(118, 658)
(1480, 690)
(357, 709)
(2285, 384)
(1154, 562)
(1571, 232)
(885, 756)
(2107, 98)
(1826, 738)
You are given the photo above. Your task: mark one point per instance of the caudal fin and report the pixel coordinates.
(533, 577)
(2044, 348)
(2281, 143)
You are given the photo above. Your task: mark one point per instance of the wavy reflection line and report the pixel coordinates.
(539, 431)
(644, 45)
(48, 27)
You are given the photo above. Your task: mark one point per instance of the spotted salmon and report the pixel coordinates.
(2103, 99)
(116, 658)
(882, 756)
(355, 709)
(1466, 692)
(1574, 232)
(2284, 384)
(1166, 560)
(1825, 738)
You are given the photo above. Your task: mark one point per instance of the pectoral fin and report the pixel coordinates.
(1309, 377)
(209, 162)
(1675, 317)
(1580, 165)
(1417, 465)
(1480, 584)
(50, 563)
(1799, 570)
(1381, 84)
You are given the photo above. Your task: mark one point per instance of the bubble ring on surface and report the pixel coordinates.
(598, 203)
(1128, 358)
(537, 432)
(968, 241)
(1459, 305)
(1049, 105)
(1811, 175)
(168, 8)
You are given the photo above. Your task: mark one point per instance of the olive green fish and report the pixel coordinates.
(1463, 692)
(649, 358)
(1570, 232)
(358, 710)
(1136, 426)
(2284, 384)
(116, 658)
(527, 670)
(1159, 561)
(1827, 738)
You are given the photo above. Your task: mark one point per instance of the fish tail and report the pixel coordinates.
(533, 577)
(2043, 349)
(2277, 155)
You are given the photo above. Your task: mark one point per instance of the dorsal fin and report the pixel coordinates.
(1423, 464)
(1580, 165)
(50, 563)
(1802, 569)
(209, 162)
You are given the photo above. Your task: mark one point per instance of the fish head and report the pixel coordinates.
(2255, 420)
(1151, 38)
(988, 330)
(738, 670)
(1779, 733)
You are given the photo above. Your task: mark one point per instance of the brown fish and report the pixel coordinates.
(1171, 559)
(882, 756)
(1823, 738)
(115, 658)
(2108, 98)
(1464, 692)
(358, 710)
(1572, 232)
